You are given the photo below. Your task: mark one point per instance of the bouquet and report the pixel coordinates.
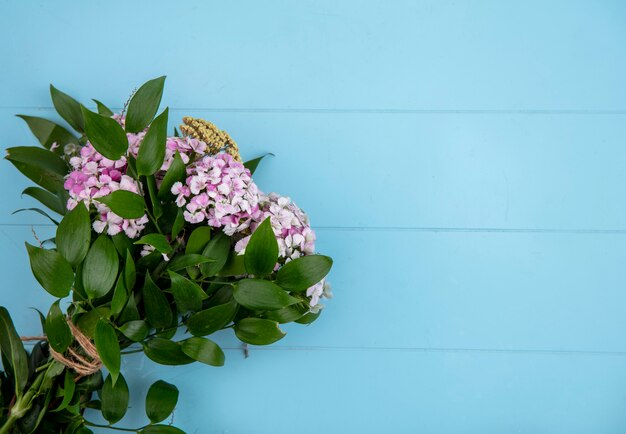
(164, 240)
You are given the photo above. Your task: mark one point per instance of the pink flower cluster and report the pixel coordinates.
(94, 176)
(291, 227)
(220, 191)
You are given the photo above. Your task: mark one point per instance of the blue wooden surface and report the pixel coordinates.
(463, 162)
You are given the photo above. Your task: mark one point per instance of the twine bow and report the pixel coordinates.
(84, 364)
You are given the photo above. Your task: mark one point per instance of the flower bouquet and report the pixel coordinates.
(164, 240)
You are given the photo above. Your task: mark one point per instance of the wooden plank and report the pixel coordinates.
(322, 54)
(393, 392)
(415, 290)
(419, 170)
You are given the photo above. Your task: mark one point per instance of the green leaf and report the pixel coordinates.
(187, 294)
(123, 244)
(114, 398)
(41, 166)
(69, 387)
(100, 267)
(158, 241)
(57, 330)
(155, 303)
(198, 240)
(203, 350)
(216, 249)
(130, 272)
(234, 266)
(157, 207)
(52, 201)
(125, 204)
(51, 270)
(161, 429)
(38, 211)
(251, 165)
(144, 105)
(165, 352)
(180, 262)
(211, 320)
(136, 331)
(262, 250)
(302, 273)
(13, 352)
(175, 173)
(161, 401)
(105, 134)
(258, 294)
(152, 149)
(257, 331)
(130, 312)
(108, 348)
(87, 323)
(48, 133)
(309, 318)
(120, 296)
(288, 314)
(68, 108)
(179, 223)
(74, 235)
(103, 109)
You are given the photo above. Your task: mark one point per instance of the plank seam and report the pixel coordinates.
(419, 229)
(375, 110)
(440, 350)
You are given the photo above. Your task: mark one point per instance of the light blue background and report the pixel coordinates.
(463, 162)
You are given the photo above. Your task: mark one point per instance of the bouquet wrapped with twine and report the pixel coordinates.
(159, 234)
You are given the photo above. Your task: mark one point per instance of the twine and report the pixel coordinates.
(83, 365)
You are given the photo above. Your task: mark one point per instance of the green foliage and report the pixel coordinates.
(262, 250)
(252, 165)
(41, 166)
(161, 401)
(13, 352)
(136, 330)
(203, 350)
(152, 150)
(258, 294)
(57, 330)
(217, 249)
(156, 305)
(125, 204)
(175, 173)
(103, 109)
(258, 331)
(68, 108)
(198, 239)
(105, 134)
(187, 294)
(144, 105)
(304, 272)
(108, 348)
(48, 133)
(74, 235)
(208, 321)
(158, 241)
(51, 270)
(165, 352)
(114, 398)
(55, 202)
(100, 267)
